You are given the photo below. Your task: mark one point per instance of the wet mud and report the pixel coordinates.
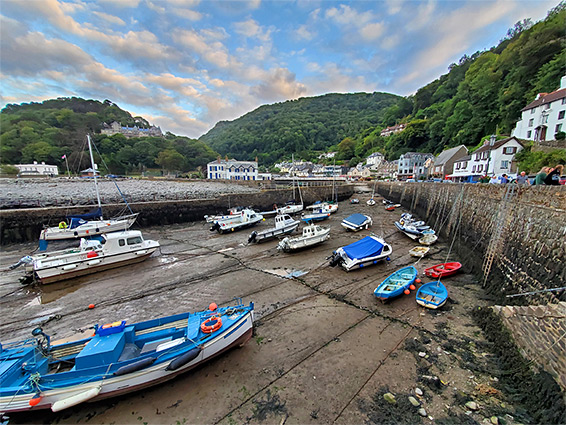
(324, 349)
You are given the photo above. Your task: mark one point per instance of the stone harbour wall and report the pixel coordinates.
(540, 333)
(25, 224)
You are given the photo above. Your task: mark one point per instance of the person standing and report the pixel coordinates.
(504, 179)
(553, 178)
(523, 178)
(539, 179)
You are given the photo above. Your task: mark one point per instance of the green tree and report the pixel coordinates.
(170, 160)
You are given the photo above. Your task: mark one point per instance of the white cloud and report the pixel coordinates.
(345, 15)
(250, 28)
(394, 6)
(373, 31)
(304, 33)
(111, 19)
(279, 84)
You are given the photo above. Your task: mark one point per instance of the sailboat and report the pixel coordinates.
(291, 207)
(85, 225)
(371, 202)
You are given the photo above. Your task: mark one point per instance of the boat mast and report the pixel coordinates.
(94, 172)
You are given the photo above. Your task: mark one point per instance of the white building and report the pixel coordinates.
(374, 160)
(392, 130)
(230, 169)
(328, 155)
(412, 165)
(493, 158)
(544, 117)
(36, 169)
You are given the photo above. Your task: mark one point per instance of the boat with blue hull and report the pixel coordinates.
(119, 358)
(432, 295)
(365, 252)
(396, 283)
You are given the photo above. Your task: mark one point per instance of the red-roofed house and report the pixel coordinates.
(544, 117)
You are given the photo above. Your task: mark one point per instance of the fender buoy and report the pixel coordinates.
(184, 359)
(135, 366)
(62, 225)
(211, 324)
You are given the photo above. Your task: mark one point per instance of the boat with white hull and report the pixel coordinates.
(365, 252)
(234, 222)
(108, 251)
(117, 359)
(312, 235)
(284, 225)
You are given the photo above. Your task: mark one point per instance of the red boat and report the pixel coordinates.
(443, 270)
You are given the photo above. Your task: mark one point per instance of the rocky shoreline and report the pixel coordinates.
(26, 193)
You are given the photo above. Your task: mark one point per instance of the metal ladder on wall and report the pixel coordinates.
(496, 242)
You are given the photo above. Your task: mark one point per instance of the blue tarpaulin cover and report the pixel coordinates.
(356, 219)
(364, 248)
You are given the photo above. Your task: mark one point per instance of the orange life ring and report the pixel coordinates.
(207, 329)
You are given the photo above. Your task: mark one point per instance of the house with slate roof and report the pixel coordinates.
(544, 117)
(443, 164)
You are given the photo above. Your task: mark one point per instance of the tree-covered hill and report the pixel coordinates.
(301, 126)
(46, 131)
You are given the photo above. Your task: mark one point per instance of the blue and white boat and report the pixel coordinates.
(118, 359)
(357, 222)
(367, 251)
(396, 283)
(319, 216)
(432, 295)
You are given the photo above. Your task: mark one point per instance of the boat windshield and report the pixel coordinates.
(135, 240)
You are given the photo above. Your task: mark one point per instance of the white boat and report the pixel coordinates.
(370, 202)
(284, 225)
(419, 251)
(80, 226)
(357, 222)
(235, 211)
(107, 251)
(292, 207)
(428, 239)
(362, 253)
(323, 207)
(231, 223)
(313, 234)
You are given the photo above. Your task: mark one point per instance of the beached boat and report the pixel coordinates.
(284, 225)
(391, 207)
(357, 222)
(396, 283)
(412, 231)
(367, 251)
(428, 239)
(419, 251)
(354, 201)
(318, 216)
(104, 252)
(90, 224)
(443, 270)
(234, 211)
(370, 202)
(312, 235)
(119, 358)
(231, 223)
(432, 295)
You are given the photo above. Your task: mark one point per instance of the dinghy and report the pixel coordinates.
(396, 283)
(443, 270)
(312, 235)
(119, 358)
(247, 218)
(354, 201)
(428, 239)
(320, 216)
(432, 295)
(284, 225)
(365, 252)
(357, 222)
(419, 251)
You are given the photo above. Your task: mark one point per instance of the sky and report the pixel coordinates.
(184, 65)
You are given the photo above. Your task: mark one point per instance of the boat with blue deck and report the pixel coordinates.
(432, 295)
(367, 251)
(356, 222)
(119, 358)
(396, 283)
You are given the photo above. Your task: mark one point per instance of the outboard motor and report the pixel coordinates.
(252, 237)
(334, 259)
(215, 226)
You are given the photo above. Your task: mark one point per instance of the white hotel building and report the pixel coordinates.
(230, 169)
(544, 117)
(36, 169)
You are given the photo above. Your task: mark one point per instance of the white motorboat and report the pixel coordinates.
(233, 212)
(365, 252)
(356, 222)
(231, 223)
(312, 235)
(284, 225)
(93, 223)
(106, 251)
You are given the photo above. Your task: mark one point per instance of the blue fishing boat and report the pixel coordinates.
(317, 216)
(119, 358)
(432, 295)
(365, 252)
(396, 283)
(357, 222)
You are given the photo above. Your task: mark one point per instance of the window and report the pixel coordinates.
(504, 164)
(529, 134)
(478, 156)
(485, 155)
(480, 168)
(531, 122)
(561, 115)
(544, 119)
(121, 242)
(474, 169)
(558, 128)
(533, 110)
(135, 240)
(509, 150)
(564, 101)
(547, 105)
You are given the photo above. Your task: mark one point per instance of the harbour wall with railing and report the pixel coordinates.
(25, 224)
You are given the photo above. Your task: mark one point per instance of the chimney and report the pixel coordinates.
(563, 83)
(492, 140)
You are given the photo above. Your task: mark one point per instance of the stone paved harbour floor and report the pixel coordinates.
(324, 350)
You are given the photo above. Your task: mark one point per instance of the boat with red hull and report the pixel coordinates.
(443, 270)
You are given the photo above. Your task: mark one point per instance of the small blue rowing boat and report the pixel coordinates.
(432, 295)
(307, 218)
(396, 283)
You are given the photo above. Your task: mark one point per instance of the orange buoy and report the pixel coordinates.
(417, 281)
(212, 306)
(407, 292)
(35, 401)
(412, 287)
(91, 306)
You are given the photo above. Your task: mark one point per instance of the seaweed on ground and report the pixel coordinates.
(380, 411)
(271, 405)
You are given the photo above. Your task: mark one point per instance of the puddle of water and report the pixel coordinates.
(286, 273)
(226, 249)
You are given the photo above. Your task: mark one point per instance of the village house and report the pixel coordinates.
(374, 160)
(130, 132)
(36, 169)
(392, 130)
(544, 117)
(495, 157)
(230, 169)
(359, 172)
(443, 164)
(412, 165)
